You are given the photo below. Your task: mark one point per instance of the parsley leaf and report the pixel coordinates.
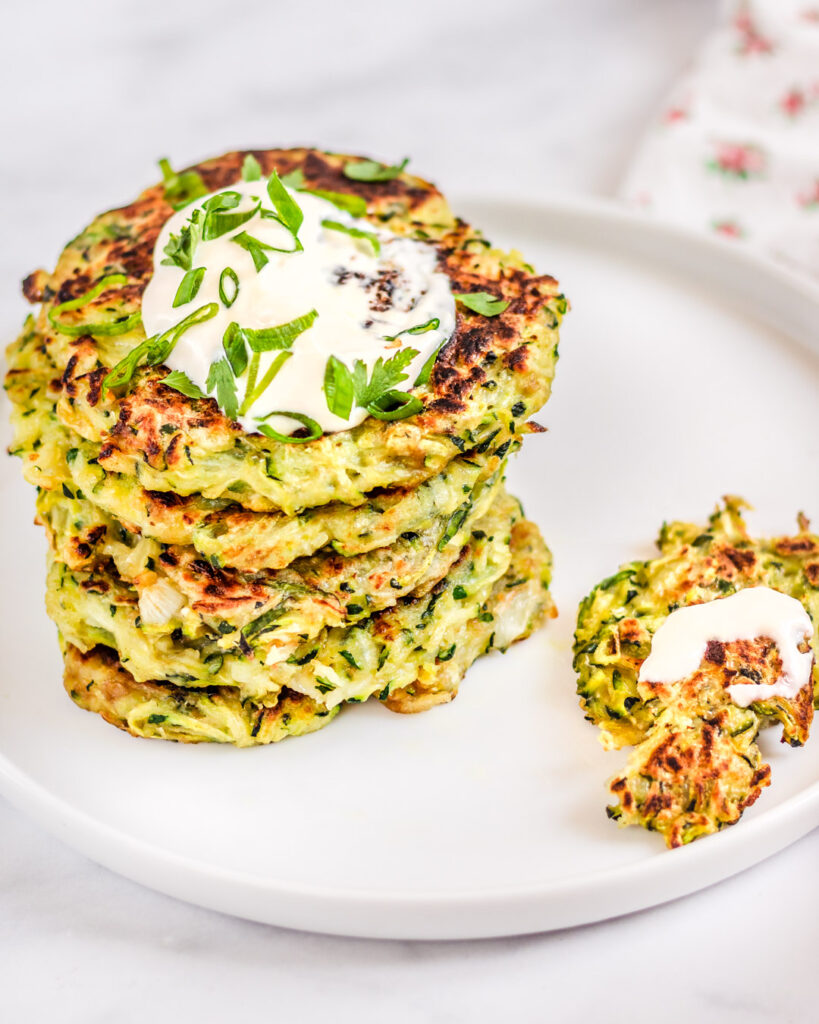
(251, 168)
(384, 376)
(181, 382)
(482, 302)
(371, 170)
(377, 394)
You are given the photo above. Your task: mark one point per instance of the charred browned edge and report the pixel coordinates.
(99, 690)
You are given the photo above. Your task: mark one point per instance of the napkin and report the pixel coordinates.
(735, 150)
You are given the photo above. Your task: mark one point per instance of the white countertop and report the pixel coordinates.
(533, 97)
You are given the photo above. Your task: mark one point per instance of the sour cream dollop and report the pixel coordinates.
(363, 299)
(679, 645)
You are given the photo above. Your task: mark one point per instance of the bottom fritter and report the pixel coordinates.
(518, 603)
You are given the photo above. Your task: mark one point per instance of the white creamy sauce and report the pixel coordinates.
(361, 298)
(679, 645)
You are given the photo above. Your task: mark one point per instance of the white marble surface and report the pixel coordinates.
(533, 97)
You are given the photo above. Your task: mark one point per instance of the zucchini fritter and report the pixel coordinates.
(492, 375)
(695, 766)
(515, 605)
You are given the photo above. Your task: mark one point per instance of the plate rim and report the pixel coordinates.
(500, 910)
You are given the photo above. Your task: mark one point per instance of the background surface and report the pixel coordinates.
(521, 98)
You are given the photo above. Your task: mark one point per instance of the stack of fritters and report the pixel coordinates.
(695, 765)
(210, 584)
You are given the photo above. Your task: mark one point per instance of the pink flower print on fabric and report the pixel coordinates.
(737, 161)
(751, 40)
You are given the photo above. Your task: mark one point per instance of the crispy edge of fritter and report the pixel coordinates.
(618, 618)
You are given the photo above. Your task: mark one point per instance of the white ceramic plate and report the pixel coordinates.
(688, 370)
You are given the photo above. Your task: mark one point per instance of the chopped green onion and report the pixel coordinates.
(338, 388)
(189, 286)
(482, 302)
(228, 274)
(371, 170)
(353, 232)
(251, 168)
(257, 248)
(310, 424)
(181, 189)
(156, 349)
(430, 325)
(426, 370)
(182, 383)
(354, 205)
(220, 377)
(221, 215)
(285, 206)
(395, 405)
(233, 342)
(87, 327)
(180, 248)
(268, 339)
(252, 393)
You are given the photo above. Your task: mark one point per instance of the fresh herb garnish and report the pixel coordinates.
(338, 388)
(354, 205)
(482, 302)
(371, 170)
(107, 329)
(257, 248)
(221, 215)
(310, 424)
(156, 349)
(188, 286)
(233, 343)
(288, 210)
(182, 383)
(354, 232)
(181, 189)
(228, 295)
(251, 168)
(220, 377)
(236, 341)
(180, 248)
(378, 394)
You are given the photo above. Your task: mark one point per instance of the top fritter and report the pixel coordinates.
(288, 293)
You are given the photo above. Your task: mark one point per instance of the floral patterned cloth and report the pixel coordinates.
(736, 149)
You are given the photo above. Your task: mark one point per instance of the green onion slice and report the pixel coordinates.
(339, 389)
(347, 229)
(310, 424)
(188, 286)
(395, 405)
(228, 295)
(120, 326)
(156, 349)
